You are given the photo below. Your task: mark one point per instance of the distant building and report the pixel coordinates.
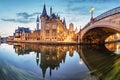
(48, 28)
(3, 39)
(115, 37)
(9, 38)
(21, 33)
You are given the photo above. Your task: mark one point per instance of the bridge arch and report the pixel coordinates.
(102, 27)
(97, 33)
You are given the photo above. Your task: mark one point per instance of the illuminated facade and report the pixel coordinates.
(48, 28)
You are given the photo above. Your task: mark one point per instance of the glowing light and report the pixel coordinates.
(117, 49)
(118, 35)
(81, 61)
(91, 9)
(37, 58)
(32, 31)
(68, 38)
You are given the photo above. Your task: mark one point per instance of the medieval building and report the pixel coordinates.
(48, 28)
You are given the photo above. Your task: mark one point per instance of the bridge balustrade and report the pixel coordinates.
(108, 13)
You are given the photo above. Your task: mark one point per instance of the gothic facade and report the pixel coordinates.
(48, 28)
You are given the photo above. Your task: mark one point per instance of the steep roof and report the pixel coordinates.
(44, 13)
(21, 29)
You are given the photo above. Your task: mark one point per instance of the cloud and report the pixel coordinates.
(22, 17)
(92, 1)
(21, 20)
(81, 7)
(26, 15)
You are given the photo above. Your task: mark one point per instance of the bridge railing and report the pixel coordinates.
(104, 15)
(108, 13)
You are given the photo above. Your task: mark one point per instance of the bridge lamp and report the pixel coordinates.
(91, 11)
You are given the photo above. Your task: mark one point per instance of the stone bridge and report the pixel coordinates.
(102, 27)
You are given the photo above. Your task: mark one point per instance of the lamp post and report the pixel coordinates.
(91, 11)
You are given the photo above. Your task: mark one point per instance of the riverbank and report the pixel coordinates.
(112, 41)
(57, 42)
(45, 42)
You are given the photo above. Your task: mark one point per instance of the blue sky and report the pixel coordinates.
(14, 13)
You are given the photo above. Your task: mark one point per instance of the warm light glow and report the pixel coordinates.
(118, 35)
(91, 9)
(81, 61)
(68, 39)
(117, 49)
(113, 47)
(114, 37)
(32, 31)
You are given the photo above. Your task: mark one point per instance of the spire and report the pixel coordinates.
(37, 20)
(50, 72)
(44, 72)
(37, 23)
(64, 22)
(51, 11)
(44, 13)
(76, 30)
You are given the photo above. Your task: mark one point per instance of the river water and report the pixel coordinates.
(20, 61)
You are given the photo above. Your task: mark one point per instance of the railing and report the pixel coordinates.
(108, 13)
(104, 15)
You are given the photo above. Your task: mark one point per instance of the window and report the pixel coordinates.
(47, 32)
(54, 32)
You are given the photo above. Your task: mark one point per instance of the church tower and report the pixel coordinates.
(43, 17)
(50, 11)
(37, 23)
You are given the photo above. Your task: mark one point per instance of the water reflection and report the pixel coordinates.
(102, 63)
(60, 62)
(115, 47)
(46, 56)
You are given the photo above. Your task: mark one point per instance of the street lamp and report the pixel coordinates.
(91, 11)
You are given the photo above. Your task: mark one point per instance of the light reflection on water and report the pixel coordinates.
(115, 47)
(57, 62)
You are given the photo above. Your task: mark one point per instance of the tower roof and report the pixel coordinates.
(54, 16)
(44, 13)
(21, 29)
(64, 22)
(37, 20)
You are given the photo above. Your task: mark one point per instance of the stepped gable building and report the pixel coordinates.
(49, 28)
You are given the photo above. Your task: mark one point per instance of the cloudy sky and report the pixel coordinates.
(14, 13)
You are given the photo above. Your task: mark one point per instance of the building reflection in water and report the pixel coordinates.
(101, 62)
(115, 47)
(47, 56)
